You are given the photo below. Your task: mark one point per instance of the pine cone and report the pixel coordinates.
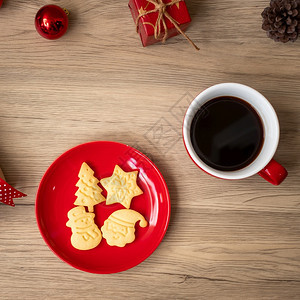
(281, 20)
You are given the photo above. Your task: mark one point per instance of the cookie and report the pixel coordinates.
(85, 233)
(121, 187)
(89, 192)
(119, 228)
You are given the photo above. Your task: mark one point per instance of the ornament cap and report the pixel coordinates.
(66, 11)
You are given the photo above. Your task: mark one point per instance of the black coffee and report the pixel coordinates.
(227, 133)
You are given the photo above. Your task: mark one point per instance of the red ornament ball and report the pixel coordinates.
(51, 22)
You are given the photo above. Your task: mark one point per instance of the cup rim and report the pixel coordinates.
(268, 150)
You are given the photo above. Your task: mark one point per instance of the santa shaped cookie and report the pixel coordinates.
(119, 228)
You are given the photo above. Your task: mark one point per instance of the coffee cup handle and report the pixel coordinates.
(273, 172)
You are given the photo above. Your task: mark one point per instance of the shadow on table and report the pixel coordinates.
(194, 7)
(289, 143)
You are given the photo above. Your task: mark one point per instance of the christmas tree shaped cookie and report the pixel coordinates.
(89, 192)
(119, 228)
(85, 233)
(121, 187)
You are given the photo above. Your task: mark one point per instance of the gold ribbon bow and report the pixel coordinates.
(160, 7)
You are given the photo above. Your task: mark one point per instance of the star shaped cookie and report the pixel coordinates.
(121, 187)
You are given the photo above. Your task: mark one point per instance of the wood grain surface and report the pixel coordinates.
(226, 239)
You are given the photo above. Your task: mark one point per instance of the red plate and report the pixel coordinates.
(56, 195)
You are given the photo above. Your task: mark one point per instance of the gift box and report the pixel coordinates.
(157, 20)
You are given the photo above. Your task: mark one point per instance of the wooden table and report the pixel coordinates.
(226, 239)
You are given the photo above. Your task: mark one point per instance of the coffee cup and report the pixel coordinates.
(231, 131)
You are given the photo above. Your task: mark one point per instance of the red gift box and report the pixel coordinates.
(151, 25)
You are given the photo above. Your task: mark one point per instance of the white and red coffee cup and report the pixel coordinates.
(264, 164)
